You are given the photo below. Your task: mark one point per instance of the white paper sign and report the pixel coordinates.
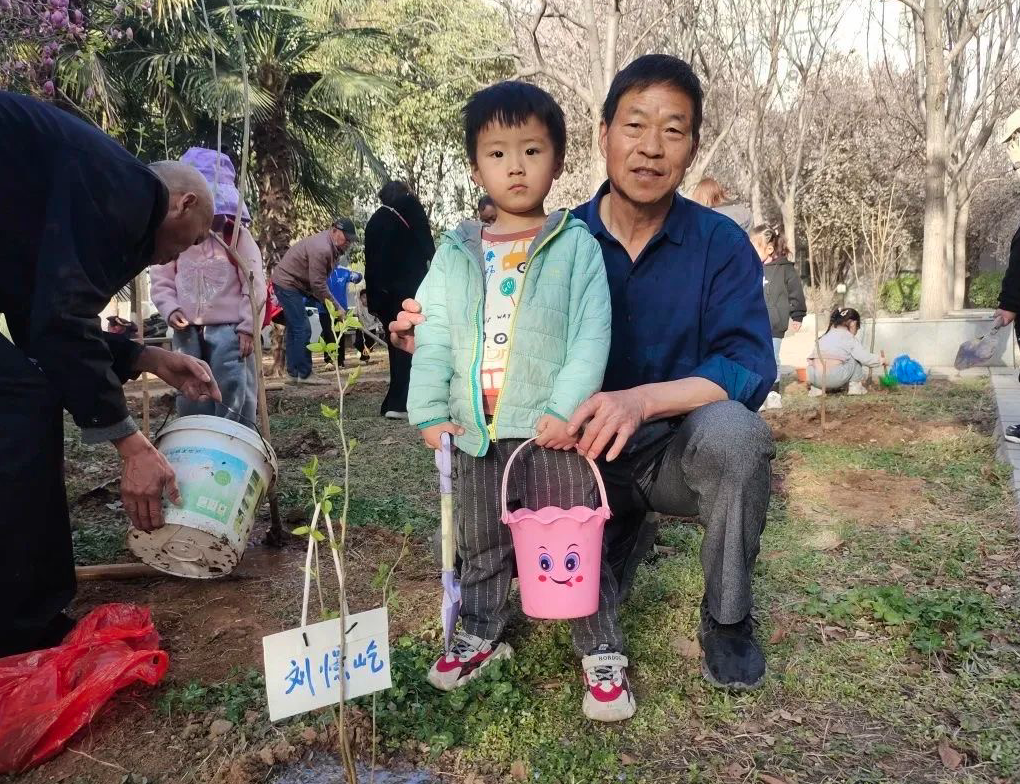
(303, 668)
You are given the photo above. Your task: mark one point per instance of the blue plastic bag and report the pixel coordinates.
(337, 284)
(907, 370)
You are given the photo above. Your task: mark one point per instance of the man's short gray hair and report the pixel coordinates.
(183, 178)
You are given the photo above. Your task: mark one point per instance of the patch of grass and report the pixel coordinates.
(935, 620)
(241, 692)
(394, 512)
(98, 544)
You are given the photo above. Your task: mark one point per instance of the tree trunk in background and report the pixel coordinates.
(754, 176)
(952, 202)
(597, 163)
(272, 171)
(934, 288)
(960, 256)
(788, 210)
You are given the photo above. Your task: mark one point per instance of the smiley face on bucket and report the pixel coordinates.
(562, 571)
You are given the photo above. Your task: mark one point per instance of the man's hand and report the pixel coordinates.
(246, 344)
(145, 476)
(607, 416)
(795, 326)
(402, 328)
(432, 433)
(191, 376)
(177, 321)
(1007, 317)
(552, 433)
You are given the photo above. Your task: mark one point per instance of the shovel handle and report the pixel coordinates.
(444, 462)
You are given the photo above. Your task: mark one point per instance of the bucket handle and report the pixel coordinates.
(252, 422)
(506, 477)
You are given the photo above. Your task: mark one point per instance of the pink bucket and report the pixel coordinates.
(559, 554)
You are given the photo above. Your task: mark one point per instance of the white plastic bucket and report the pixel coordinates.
(224, 470)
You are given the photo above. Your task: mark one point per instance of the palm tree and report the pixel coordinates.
(179, 82)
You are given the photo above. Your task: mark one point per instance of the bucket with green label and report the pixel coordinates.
(224, 471)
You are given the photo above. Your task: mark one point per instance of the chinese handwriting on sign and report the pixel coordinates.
(305, 669)
(300, 674)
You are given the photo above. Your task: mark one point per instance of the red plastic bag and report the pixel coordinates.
(47, 696)
(273, 306)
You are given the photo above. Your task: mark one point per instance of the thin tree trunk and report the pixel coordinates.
(960, 256)
(597, 163)
(952, 202)
(788, 210)
(933, 264)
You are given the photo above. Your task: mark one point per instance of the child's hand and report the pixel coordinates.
(177, 321)
(552, 433)
(432, 433)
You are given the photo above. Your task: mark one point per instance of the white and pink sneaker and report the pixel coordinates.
(608, 696)
(467, 657)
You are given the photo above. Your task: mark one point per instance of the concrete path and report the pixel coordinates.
(1006, 388)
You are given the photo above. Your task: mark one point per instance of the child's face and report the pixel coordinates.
(516, 165)
(763, 247)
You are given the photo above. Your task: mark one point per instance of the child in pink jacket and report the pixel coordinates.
(205, 298)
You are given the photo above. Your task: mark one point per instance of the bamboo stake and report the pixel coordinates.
(136, 305)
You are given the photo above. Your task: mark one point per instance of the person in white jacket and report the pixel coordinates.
(205, 298)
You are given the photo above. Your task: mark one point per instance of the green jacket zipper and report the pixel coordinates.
(513, 325)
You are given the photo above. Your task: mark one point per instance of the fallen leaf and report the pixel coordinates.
(772, 779)
(787, 716)
(826, 541)
(734, 771)
(518, 771)
(628, 759)
(772, 555)
(768, 740)
(778, 635)
(950, 757)
(689, 649)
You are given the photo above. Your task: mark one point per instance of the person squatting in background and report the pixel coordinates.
(840, 359)
(784, 293)
(204, 297)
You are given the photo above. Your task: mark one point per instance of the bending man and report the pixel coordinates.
(79, 219)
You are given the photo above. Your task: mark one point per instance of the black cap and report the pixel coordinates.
(346, 225)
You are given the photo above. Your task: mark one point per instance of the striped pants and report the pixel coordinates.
(539, 478)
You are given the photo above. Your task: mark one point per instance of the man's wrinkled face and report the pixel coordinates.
(187, 222)
(650, 143)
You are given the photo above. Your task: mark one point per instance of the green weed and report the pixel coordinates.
(936, 620)
(241, 692)
(95, 544)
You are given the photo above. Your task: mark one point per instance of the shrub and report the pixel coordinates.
(902, 293)
(984, 289)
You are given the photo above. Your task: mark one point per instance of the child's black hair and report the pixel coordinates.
(653, 69)
(841, 317)
(512, 104)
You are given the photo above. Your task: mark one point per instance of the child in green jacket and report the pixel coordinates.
(516, 338)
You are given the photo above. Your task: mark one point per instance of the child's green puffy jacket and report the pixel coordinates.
(559, 336)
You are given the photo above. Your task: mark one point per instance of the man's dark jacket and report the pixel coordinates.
(1009, 297)
(398, 249)
(78, 216)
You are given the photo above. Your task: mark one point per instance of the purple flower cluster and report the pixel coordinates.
(52, 28)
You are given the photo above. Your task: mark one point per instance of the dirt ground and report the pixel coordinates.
(212, 630)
